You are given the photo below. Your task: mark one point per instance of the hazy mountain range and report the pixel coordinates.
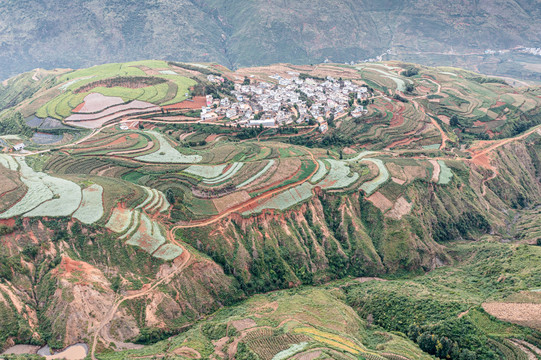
(53, 33)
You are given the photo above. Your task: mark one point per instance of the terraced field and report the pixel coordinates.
(270, 209)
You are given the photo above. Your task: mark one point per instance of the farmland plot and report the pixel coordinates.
(154, 202)
(227, 175)
(148, 199)
(168, 252)
(120, 220)
(167, 154)
(321, 172)
(67, 197)
(207, 172)
(149, 236)
(339, 176)
(8, 162)
(286, 199)
(46, 195)
(135, 219)
(286, 354)
(37, 193)
(258, 175)
(445, 173)
(359, 156)
(370, 186)
(91, 208)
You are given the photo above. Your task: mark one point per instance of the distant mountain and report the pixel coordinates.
(54, 33)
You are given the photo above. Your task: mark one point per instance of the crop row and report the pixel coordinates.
(268, 347)
(225, 176)
(258, 175)
(167, 154)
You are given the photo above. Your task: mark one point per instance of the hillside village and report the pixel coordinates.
(297, 99)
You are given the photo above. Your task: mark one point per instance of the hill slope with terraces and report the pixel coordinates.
(143, 230)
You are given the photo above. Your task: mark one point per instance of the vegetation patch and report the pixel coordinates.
(370, 186)
(167, 154)
(91, 208)
(445, 173)
(168, 252)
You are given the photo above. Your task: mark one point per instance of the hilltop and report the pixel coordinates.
(235, 33)
(340, 210)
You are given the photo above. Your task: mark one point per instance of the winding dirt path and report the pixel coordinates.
(145, 291)
(444, 137)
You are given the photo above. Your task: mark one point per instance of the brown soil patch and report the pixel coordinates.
(121, 140)
(482, 160)
(444, 118)
(403, 142)
(196, 103)
(69, 266)
(79, 107)
(7, 180)
(286, 169)
(243, 324)
(401, 207)
(211, 138)
(185, 135)
(8, 222)
(414, 172)
(517, 313)
(398, 181)
(380, 201)
(348, 151)
(149, 146)
(187, 352)
(311, 355)
(231, 200)
(436, 171)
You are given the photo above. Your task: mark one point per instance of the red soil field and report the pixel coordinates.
(7, 222)
(211, 138)
(403, 142)
(79, 107)
(119, 140)
(197, 103)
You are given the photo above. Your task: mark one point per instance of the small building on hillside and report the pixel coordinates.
(18, 147)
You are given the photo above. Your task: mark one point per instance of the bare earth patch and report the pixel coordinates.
(401, 207)
(436, 172)
(243, 324)
(380, 201)
(310, 355)
(522, 314)
(348, 151)
(231, 200)
(187, 352)
(398, 181)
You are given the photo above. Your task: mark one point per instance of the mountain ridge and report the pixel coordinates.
(235, 33)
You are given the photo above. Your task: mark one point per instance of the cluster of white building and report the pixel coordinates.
(287, 100)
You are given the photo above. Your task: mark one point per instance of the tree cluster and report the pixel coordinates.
(15, 125)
